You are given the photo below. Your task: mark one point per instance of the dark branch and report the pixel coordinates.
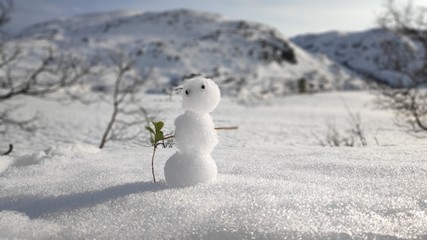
(6, 7)
(8, 151)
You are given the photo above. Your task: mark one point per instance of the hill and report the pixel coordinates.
(375, 53)
(243, 57)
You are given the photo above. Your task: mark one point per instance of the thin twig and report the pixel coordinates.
(152, 163)
(227, 128)
(217, 128)
(8, 151)
(168, 137)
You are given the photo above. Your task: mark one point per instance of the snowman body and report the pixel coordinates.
(195, 136)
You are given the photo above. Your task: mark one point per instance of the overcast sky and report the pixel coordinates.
(291, 17)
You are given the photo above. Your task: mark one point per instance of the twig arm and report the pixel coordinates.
(227, 128)
(168, 137)
(217, 128)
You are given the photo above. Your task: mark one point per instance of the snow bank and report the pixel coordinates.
(18, 226)
(5, 162)
(298, 193)
(38, 157)
(70, 149)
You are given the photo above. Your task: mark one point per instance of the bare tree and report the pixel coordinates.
(407, 95)
(34, 73)
(6, 7)
(7, 120)
(127, 111)
(54, 72)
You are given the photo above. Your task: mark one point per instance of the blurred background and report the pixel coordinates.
(289, 17)
(120, 56)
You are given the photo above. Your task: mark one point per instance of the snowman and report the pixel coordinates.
(195, 136)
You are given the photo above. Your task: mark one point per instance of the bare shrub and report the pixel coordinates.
(407, 97)
(352, 135)
(127, 110)
(6, 7)
(31, 72)
(333, 137)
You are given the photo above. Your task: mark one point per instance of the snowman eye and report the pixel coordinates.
(187, 92)
(203, 86)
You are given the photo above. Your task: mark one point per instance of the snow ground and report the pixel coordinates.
(274, 181)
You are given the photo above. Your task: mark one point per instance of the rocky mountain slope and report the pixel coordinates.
(243, 57)
(377, 54)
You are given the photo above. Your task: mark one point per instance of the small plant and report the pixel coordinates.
(156, 133)
(156, 138)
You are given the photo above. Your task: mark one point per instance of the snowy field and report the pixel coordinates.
(275, 181)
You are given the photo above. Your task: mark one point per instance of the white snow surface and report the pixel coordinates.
(274, 181)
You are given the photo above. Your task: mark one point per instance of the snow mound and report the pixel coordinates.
(29, 159)
(66, 150)
(20, 161)
(70, 149)
(15, 225)
(5, 162)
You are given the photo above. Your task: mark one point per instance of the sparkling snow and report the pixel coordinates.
(274, 181)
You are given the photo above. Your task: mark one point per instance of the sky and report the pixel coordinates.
(291, 17)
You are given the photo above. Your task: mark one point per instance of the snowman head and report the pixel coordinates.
(200, 95)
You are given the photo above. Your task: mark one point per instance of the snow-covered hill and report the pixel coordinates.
(238, 54)
(376, 53)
